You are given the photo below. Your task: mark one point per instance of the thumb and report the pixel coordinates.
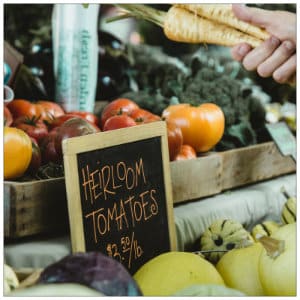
(256, 16)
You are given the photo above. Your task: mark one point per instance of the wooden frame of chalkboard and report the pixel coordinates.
(119, 193)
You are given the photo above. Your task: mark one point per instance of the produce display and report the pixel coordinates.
(229, 261)
(266, 267)
(32, 139)
(208, 104)
(45, 125)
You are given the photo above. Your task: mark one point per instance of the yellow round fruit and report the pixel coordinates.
(239, 269)
(170, 272)
(278, 275)
(17, 149)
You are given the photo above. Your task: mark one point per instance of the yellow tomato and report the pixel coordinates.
(17, 152)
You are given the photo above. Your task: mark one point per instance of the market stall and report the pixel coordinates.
(100, 168)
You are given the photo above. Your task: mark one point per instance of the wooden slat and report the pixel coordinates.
(217, 172)
(196, 178)
(35, 207)
(253, 164)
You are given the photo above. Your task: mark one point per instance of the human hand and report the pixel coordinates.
(276, 56)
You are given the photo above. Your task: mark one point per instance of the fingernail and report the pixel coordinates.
(274, 40)
(242, 50)
(289, 45)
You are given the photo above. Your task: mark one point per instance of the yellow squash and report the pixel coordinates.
(170, 272)
(239, 269)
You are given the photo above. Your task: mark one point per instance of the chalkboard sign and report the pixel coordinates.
(119, 193)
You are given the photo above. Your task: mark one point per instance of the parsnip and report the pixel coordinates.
(186, 25)
(182, 25)
(222, 13)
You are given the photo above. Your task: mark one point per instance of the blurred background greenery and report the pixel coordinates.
(155, 73)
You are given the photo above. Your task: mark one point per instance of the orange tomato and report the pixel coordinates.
(21, 107)
(46, 110)
(186, 152)
(17, 152)
(202, 126)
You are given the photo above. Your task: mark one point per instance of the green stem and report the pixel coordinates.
(145, 12)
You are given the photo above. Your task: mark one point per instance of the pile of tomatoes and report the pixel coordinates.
(190, 129)
(33, 132)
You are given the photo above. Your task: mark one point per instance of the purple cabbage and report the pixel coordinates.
(95, 270)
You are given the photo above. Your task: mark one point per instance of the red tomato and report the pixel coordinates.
(56, 122)
(49, 109)
(33, 126)
(8, 119)
(175, 139)
(47, 147)
(202, 126)
(186, 152)
(117, 106)
(71, 128)
(92, 118)
(118, 121)
(144, 116)
(46, 110)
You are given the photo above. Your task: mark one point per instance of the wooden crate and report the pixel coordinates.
(41, 206)
(217, 172)
(35, 207)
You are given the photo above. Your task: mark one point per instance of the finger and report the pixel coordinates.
(260, 53)
(238, 52)
(286, 70)
(282, 24)
(280, 55)
(253, 15)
